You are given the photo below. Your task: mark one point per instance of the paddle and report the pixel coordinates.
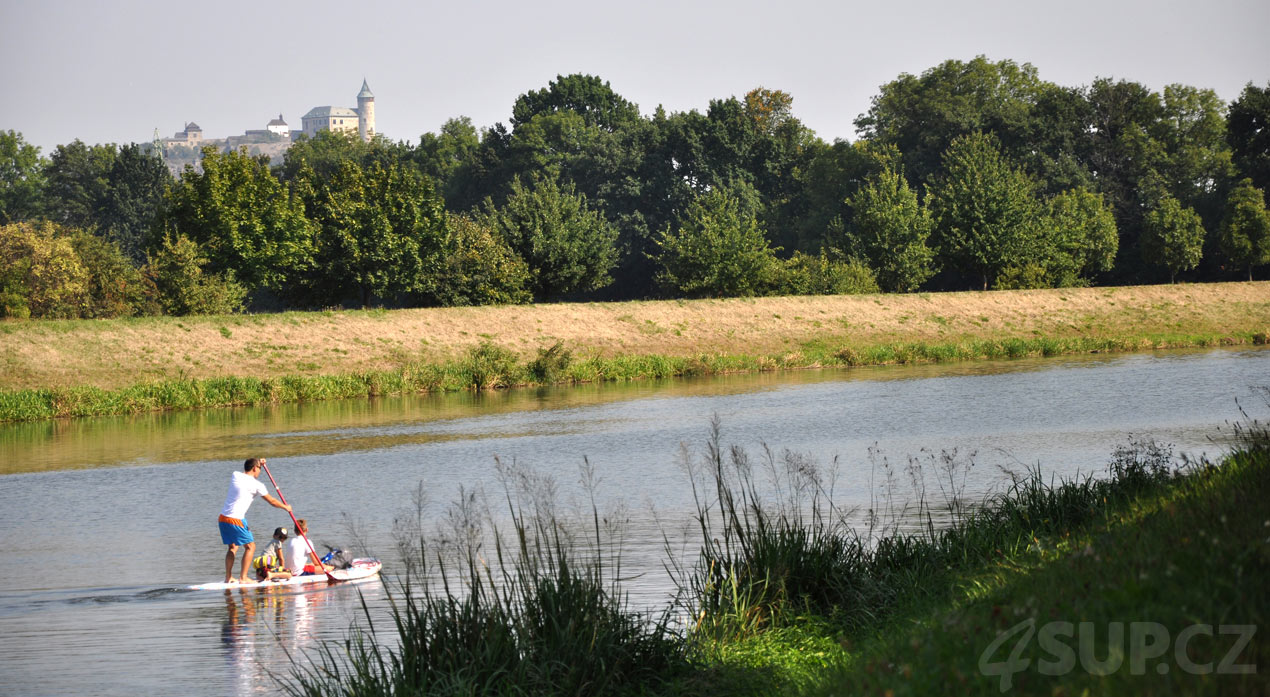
(316, 558)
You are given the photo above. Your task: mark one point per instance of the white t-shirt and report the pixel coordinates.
(297, 554)
(243, 489)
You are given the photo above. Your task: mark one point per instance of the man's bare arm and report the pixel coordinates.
(276, 503)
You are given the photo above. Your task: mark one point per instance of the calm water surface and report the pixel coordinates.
(106, 520)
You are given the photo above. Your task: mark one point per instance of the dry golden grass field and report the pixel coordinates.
(115, 353)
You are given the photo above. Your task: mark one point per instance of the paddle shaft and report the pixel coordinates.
(316, 560)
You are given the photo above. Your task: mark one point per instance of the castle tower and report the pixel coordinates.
(365, 112)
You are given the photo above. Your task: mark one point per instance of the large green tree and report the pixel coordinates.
(21, 179)
(718, 249)
(77, 181)
(380, 233)
(1080, 238)
(1173, 237)
(1196, 164)
(588, 96)
(754, 141)
(1055, 146)
(244, 220)
(479, 267)
(1248, 133)
(892, 230)
(139, 181)
(1245, 228)
(833, 175)
(327, 151)
(984, 209)
(1145, 146)
(923, 115)
(1124, 157)
(580, 132)
(451, 157)
(570, 248)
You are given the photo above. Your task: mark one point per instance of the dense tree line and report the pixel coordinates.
(973, 174)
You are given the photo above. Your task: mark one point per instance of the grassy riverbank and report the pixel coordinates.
(1090, 591)
(76, 368)
(786, 599)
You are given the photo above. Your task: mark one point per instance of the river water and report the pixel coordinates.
(106, 520)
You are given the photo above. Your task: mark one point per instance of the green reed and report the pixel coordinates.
(536, 612)
(774, 548)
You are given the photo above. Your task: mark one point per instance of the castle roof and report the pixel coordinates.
(365, 93)
(191, 126)
(278, 121)
(322, 112)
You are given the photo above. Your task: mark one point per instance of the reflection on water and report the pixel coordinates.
(312, 428)
(336, 426)
(104, 517)
(262, 628)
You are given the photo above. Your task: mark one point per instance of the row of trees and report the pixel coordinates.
(973, 174)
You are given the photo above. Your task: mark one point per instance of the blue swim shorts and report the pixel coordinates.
(234, 531)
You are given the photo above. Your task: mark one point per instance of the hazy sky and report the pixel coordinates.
(105, 71)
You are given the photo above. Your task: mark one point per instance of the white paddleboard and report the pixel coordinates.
(361, 570)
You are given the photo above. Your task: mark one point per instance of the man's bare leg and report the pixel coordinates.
(229, 563)
(248, 550)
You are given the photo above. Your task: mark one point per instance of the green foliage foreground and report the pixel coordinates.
(784, 597)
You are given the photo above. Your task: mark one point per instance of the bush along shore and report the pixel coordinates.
(1148, 580)
(491, 366)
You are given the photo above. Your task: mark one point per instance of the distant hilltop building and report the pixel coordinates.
(192, 135)
(342, 118)
(279, 127)
(185, 147)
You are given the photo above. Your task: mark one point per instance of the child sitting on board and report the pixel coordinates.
(298, 551)
(272, 564)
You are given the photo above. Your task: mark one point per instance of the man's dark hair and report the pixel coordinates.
(251, 464)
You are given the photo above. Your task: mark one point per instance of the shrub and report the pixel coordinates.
(185, 288)
(551, 364)
(116, 288)
(804, 274)
(489, 366)
(1022, 278)
(479, 268)
(40, 273)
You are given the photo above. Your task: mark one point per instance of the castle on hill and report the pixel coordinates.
(186, 145)
(340, 118)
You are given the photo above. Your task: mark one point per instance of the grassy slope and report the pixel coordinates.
(112, 354)
(1197, 552)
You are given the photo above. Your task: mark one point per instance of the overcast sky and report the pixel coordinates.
(105, 71)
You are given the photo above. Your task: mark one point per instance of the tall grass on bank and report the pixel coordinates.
(489, 366)
(545, 615)
(1186, 555)
(775, 551)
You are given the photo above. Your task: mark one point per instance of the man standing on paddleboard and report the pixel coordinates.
(244, 487)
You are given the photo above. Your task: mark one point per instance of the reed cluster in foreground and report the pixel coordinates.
(533, 612)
